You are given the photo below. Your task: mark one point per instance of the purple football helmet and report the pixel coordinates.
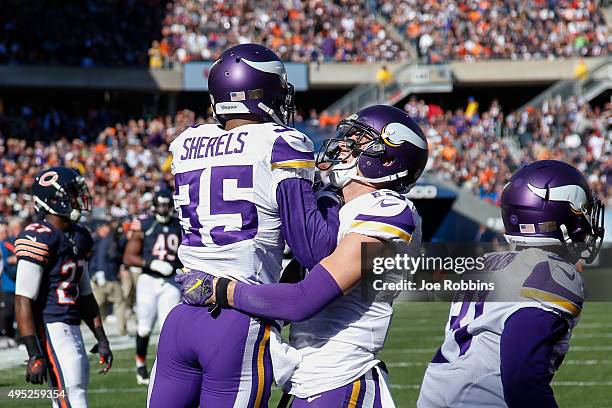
(387, 145)
(549, 202)
(250, 79)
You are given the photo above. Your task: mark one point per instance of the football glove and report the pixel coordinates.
(330, 192)
(163, 267)
(36, 370)
(106, 355)
(196, 287)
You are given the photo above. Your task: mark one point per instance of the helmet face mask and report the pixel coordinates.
(378, 145)
(163, 206)
(352, 139)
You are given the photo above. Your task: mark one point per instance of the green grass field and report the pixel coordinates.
(585, 379)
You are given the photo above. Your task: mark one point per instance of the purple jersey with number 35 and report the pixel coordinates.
(225, 196)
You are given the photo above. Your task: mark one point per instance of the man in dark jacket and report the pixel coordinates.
(104, 269)
(8, 270)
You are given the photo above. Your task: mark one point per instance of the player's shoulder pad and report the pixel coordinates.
(385, 214)
(554, 282)
(291, 149)
(36, 243)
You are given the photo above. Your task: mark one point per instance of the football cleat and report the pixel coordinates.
(142, 375)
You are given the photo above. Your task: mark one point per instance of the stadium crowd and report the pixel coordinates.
(515, 29)
(124, 162)
(295, 30)
(178, 31)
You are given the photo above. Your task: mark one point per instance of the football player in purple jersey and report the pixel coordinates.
(243, 188)
(502, 347)
(376, 156)
(53, 293)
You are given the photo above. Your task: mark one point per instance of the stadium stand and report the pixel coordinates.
(179, 31)
(91, 33)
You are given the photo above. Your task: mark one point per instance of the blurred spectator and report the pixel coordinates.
(155, 56)
(383, 78)
(8, 270)
(581, 72)
(471, 111)
(104, 267)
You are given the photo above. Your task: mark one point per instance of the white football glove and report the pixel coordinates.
(163, 267)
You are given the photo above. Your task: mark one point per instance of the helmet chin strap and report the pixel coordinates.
(271, 113)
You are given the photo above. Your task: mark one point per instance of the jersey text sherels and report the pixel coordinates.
(205, 146)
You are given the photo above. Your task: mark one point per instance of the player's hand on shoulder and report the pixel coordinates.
(196, 287)
(36, 370)
(102, 348)
(163, 267)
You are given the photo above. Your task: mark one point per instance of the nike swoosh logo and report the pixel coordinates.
(310, 399)
(195, 286)
(386, 204)
(570, 277)
(31, 238)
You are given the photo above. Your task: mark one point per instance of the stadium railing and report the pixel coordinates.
(410, 78)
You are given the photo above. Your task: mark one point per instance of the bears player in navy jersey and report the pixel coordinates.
(53, 293)
(152, 244)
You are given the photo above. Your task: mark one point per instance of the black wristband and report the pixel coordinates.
(221, 292)
(31, 343)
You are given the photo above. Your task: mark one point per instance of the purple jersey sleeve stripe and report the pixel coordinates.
(404, 220)
(282, 151)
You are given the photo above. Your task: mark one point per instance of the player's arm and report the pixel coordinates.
(133, 252)
(526, 350)
(91, 316)
(331, 278)
(309, 226)
(133, 249)
(27, 286)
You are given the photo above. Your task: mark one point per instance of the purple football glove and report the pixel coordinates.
(196, 287)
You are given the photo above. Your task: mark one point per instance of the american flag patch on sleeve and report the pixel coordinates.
(527, 228)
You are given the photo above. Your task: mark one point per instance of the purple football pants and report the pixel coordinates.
(364, 392)
(213, 362)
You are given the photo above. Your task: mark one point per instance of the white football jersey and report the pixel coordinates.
(339, 344)
(465, 372)
(225, 196)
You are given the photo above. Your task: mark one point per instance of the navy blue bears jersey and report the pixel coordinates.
(159, 241)
(63, 257)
